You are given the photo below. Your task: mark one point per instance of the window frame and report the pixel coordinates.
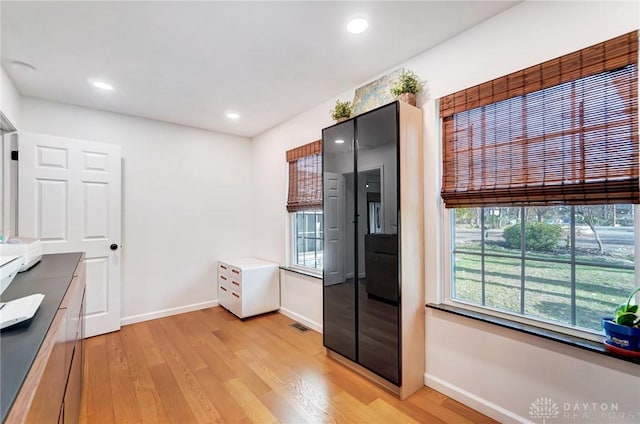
(446, 286)
(292, 242)
(445, 224)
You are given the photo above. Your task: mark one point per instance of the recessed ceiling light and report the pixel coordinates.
(101, 85)
(233, 115)
(339, 141)
(357, 25)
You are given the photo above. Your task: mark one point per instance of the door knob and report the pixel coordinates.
(113, 246)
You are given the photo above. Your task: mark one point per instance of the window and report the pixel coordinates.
(308, 239)
(541, 169)
(305, 205)
(570, 265)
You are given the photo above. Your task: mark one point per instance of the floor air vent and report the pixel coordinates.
(301, 328)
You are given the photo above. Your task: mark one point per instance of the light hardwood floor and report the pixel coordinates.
(208, 366)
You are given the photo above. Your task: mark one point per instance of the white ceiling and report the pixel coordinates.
(190, 62)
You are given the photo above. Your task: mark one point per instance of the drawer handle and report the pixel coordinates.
(235, 271)
(223, 289)
(223, 267)
(235, 283)
(235, 295)
(223, 277)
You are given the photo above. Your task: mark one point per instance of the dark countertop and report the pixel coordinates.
(20, 344)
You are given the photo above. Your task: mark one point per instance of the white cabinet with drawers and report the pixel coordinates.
(248, 286)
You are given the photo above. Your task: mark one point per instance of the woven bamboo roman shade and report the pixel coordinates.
(305, 177)
(561, 132)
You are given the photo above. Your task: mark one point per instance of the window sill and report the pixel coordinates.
(596, 347)
(302, 272)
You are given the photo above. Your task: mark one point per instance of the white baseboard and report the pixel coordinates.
(476, 402)
(168, 312)
(297, 317)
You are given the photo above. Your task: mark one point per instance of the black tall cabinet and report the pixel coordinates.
(364, 299)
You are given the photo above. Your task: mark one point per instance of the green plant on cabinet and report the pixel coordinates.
(407, 82)
(341, 110)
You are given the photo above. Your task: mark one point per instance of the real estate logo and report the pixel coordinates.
(544, 408)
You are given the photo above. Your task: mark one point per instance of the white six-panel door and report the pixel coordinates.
(69, 197)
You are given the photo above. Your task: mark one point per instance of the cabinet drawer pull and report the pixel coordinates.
(235, 295)
(223, 289)
(235, 271)
(235, 283)
(223, 277)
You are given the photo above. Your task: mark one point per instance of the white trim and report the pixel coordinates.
(168, 312)
(9, 186)
(476, 402)
(446, 265)
(4, 187)
(290, 235)
(297, 317)
(442, 224)
(636, 245)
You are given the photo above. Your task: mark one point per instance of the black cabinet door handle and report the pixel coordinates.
(113, 246)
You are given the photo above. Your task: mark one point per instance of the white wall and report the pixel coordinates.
(10, 107)
(300, 297)
(9, 99)
(496, 370)
(505, 372)
(185, 202)
(297, 290)
(502, 372)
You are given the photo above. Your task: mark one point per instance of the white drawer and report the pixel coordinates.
(223, 268)
(224, 279)
(235, 283)
(253, 286)
(236, 272)
(223, 296)
(235, 302)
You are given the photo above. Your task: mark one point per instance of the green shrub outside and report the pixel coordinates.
(540, 237)
(512, 236)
